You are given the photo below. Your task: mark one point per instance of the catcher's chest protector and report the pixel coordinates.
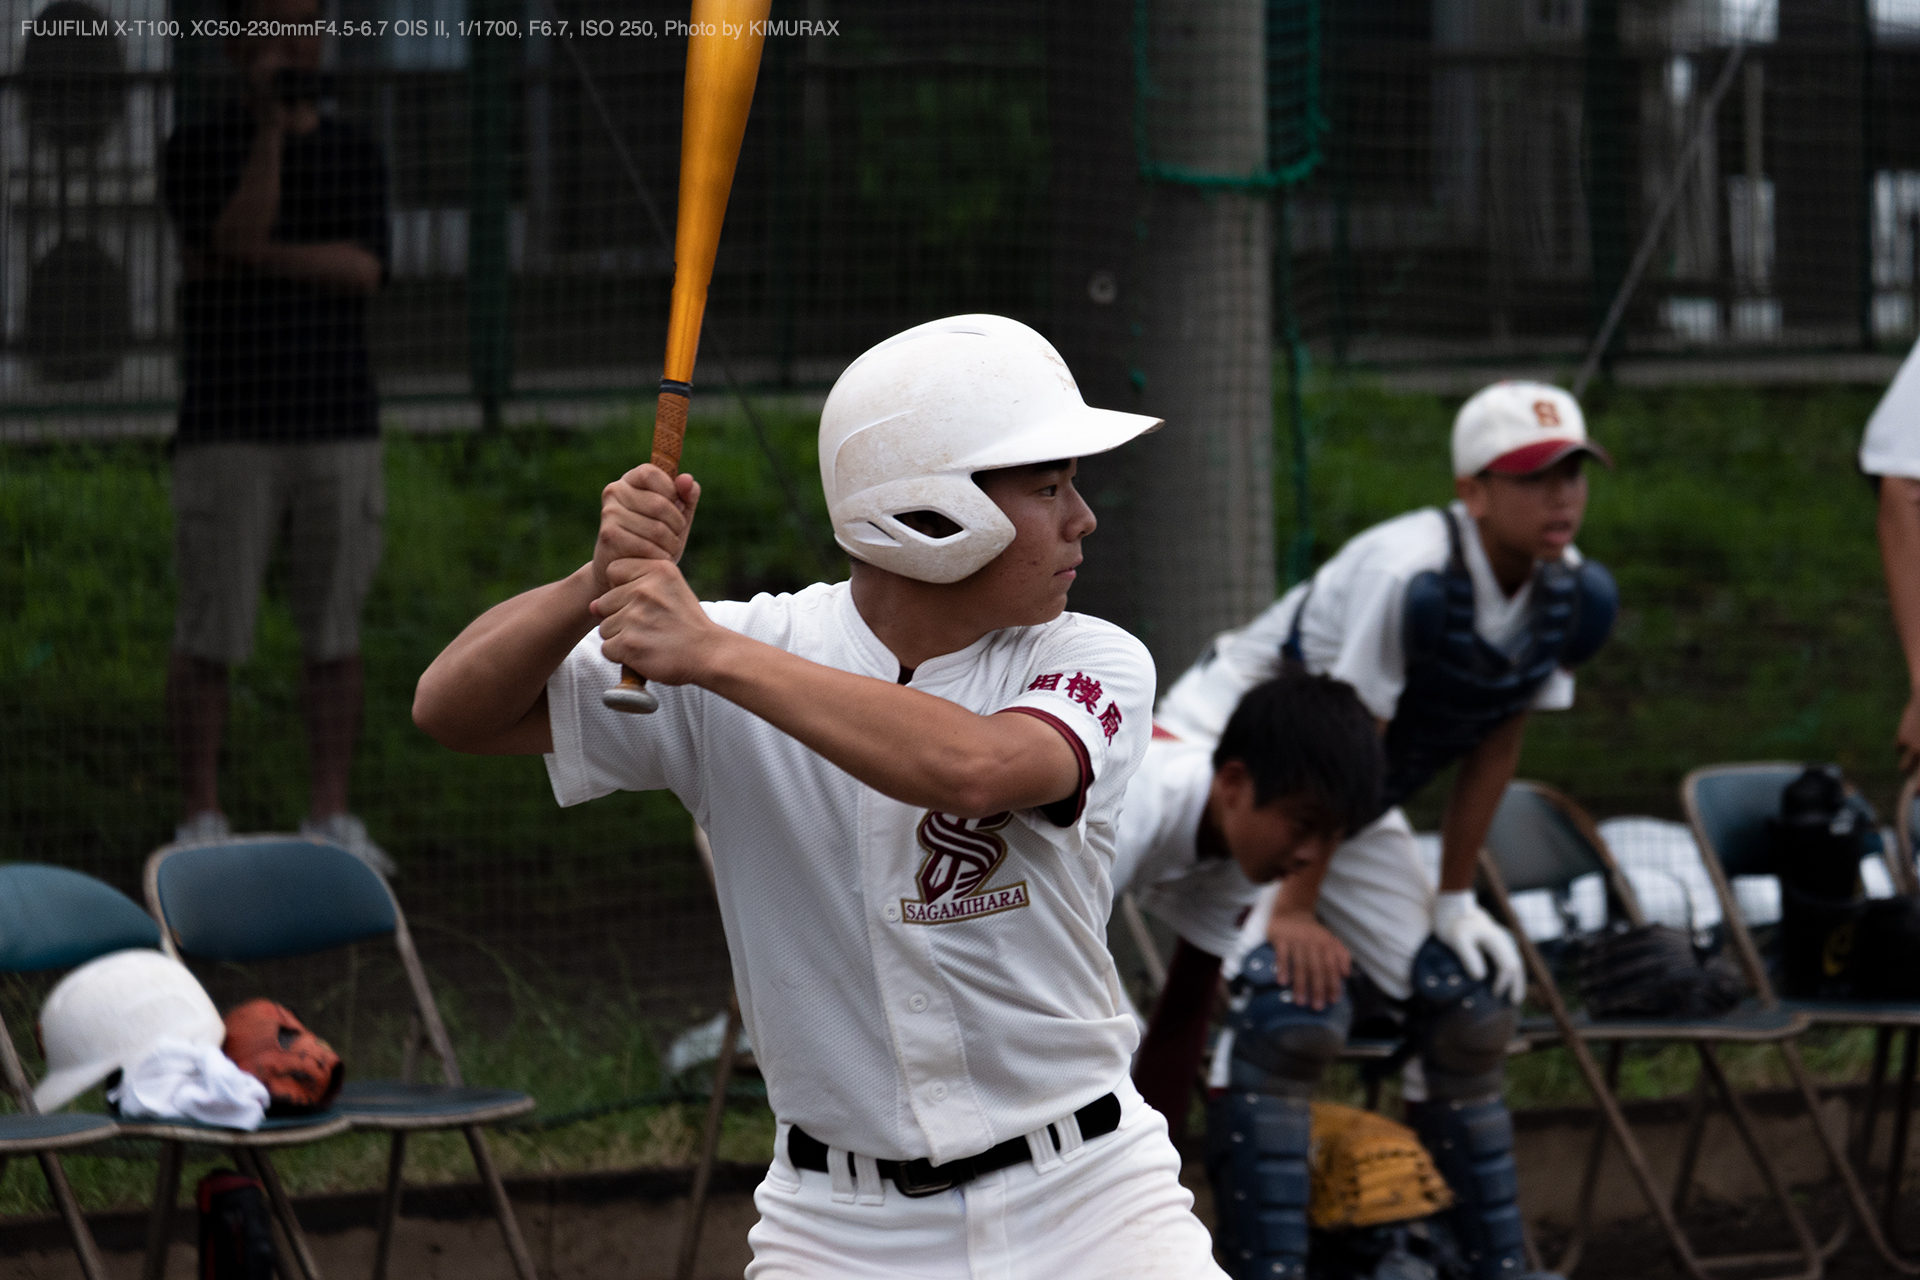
(1459, 687)
(236, 1235)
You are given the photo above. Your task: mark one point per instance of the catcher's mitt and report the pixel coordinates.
(1369, 1170)
(1652, 972)
(301, 1071)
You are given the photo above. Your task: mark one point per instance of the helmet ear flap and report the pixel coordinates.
(868, 526)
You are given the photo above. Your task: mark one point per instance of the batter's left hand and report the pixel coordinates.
(1462, 924)
(653, 624)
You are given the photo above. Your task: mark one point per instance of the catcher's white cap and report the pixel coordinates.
(105, 1015)
(911, 420)
(1517, 428)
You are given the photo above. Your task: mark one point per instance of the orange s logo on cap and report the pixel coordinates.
(1545, 413)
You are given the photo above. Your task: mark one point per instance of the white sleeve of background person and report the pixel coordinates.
(1202, 700)
(1891, 444)
(1354, 628)
(1201, 899)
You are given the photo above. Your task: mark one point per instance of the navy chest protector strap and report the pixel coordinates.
(1459, 687)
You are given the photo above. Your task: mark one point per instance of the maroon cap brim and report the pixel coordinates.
(1528, 459)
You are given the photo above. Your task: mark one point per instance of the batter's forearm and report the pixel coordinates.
(1477, 790)
(1899, 530)
(487, 691)
(910, 746)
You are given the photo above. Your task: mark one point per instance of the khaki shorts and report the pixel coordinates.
(230, 502)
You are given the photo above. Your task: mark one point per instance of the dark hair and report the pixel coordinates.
(1309, 737)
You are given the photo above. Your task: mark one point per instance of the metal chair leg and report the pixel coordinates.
(1690, 1151)
(1902, 1125)
(166, 1190)
(710, 1143)
(389, 1203)
(1743, 1125)
(1843, 1169)
(1870, 1114)
(502, 1208)
(1590, 1176)
(83, 1246)
(269, 1177)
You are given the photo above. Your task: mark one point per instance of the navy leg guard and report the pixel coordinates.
(1462, 1033)
(1258, 1129)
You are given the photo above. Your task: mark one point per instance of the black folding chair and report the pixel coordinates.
(1540, 839)
(270, 896)
(1728, 806)
(52, 918)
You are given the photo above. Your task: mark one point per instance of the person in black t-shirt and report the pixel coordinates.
(282, 216)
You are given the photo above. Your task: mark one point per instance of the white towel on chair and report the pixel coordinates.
(176, 1079)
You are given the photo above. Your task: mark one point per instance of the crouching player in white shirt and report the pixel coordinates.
(1451, 626)
(911, 781)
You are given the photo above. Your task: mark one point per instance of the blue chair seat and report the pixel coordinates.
(1750, 1023)
(1857, 1013)
(21, 1134)
(274, 1131)
(395, 1104)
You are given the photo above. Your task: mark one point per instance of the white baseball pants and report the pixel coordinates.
(1112, 1209)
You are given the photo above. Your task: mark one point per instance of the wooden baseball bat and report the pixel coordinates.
(723, 61)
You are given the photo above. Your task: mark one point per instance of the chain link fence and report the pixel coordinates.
(1208, 208)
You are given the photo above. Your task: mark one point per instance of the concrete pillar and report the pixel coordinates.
(1163, 305)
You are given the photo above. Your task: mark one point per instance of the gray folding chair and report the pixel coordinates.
(265, 897)
(1728, 806)
(1540, 839)
(52, 918)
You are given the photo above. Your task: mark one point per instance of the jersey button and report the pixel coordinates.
(892, 913)
(938, 1092)
(917, 1002)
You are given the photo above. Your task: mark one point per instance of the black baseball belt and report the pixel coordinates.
(922, 1177)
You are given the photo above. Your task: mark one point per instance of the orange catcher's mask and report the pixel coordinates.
(301, 1071)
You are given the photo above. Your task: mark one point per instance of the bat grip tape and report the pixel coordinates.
(670, 424)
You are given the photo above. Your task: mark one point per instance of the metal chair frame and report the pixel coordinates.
(1887, 1021)
(425, 1025)
(28, 1132)
(1764, 1025)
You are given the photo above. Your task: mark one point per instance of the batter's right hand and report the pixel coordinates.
(644, 515)
(1307, 957)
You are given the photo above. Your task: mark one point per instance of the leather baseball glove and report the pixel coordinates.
(1368, 1170)
(301, 1071)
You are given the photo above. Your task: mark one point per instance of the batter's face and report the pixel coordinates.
(1536, 515)
(1028, 582)
(1269, 840)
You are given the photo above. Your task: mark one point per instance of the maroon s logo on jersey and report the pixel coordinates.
(962, 854)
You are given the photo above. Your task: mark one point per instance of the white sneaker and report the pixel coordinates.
(350, 834)
(206, 825)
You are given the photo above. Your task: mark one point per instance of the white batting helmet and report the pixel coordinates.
(105, 1015)
(910, 421)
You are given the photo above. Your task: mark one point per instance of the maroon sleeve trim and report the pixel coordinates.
(1065, 811)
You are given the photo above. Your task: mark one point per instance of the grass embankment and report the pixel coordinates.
(1754, 624)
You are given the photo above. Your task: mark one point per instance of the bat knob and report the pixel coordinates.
(631, 695)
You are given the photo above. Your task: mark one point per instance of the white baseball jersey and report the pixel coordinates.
(914, 984)
(1891, 445)
(1204, 900)
(1354, 628)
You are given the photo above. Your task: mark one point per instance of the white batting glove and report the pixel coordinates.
(1459, 922)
